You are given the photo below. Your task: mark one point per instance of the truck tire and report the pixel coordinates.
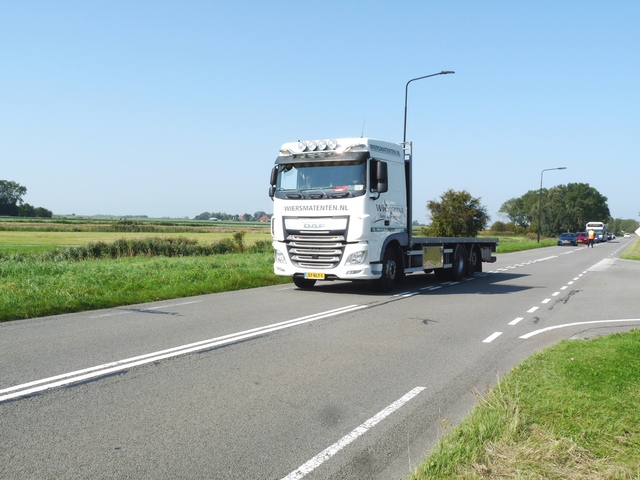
(460, 263)
(390, 271)
(474, 262)
(302, 282)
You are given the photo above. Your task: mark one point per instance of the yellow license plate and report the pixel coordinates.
(315, 276)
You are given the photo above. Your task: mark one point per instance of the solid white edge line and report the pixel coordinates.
(329, 452)
(542, 330)
(107, 368)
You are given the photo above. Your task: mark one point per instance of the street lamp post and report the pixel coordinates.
(407, 163)
(406, 92)
(540, 198)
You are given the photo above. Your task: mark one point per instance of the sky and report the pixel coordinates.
(174, 108)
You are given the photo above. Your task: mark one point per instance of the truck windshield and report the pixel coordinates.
(330, 178)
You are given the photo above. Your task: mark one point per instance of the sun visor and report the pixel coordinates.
(316, 158)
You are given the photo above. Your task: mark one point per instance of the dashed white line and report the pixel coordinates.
(329, 452)
(532, 309)
(515, 321)
(492, 337)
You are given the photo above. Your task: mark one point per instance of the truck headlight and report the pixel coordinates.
(279, 257)
(356, 258)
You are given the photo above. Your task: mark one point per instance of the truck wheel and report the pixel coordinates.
(390, 273)
(302, 282)
(459, 263)
(474, 262)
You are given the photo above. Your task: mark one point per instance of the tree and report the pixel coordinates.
(457, 214)
(43, 212)
(26, 210)
(568, 208)
(11, 194)
(563, 208)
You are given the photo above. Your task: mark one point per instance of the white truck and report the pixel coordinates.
(600, 230)
(342, 211)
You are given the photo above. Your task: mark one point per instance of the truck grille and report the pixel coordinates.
(318, 250)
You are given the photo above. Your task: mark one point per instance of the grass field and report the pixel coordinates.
(42, 241)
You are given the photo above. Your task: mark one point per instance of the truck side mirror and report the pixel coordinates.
(381, 175)
(273, 179)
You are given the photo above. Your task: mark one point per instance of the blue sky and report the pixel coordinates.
(170, 109)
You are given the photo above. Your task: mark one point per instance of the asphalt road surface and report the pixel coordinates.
(336, 382)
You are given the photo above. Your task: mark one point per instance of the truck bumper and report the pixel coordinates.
(283, 266)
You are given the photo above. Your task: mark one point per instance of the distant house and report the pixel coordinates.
(264, 218)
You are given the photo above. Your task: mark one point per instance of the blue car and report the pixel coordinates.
(568, 239)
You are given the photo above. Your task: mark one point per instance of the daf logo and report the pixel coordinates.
(313, 226)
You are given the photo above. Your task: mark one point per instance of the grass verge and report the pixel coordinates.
(34, 288)
(509, 244)
(571, 411)
(633, 251)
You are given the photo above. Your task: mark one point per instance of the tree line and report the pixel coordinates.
(563, 208)
(11, 203)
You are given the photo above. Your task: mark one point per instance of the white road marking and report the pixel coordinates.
(107, 368)
(329, 452)
(515, 321)
(492, 337)
(542, 330)
(546, 300)
(602, 265)
(532, 309)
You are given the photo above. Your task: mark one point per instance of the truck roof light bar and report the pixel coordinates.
(317, 145)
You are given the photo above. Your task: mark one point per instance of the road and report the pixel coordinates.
(336, 382)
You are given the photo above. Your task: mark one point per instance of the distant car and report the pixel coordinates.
(567, 239)
(582, 237)
(627, 235)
